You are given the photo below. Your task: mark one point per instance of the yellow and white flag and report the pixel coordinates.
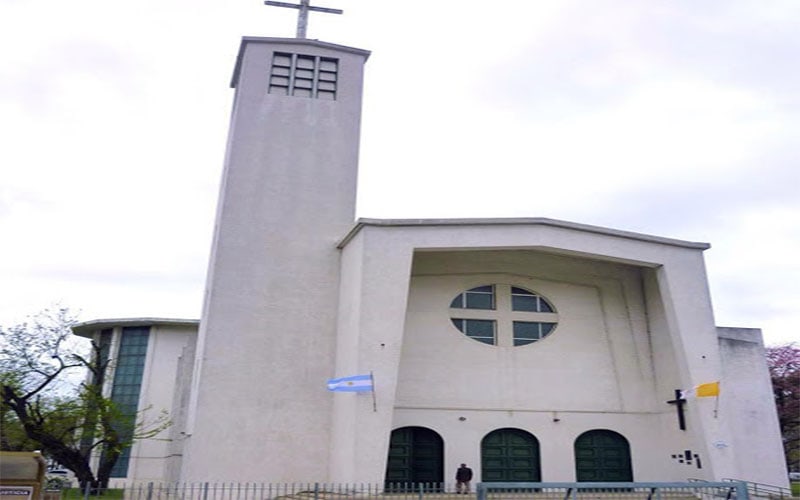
(702, 391)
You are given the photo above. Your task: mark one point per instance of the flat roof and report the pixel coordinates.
(519, 221)
(88, 327)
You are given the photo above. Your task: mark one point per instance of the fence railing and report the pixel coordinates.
(762, 490)
(613, 491)
(413, 491)
(259, 491)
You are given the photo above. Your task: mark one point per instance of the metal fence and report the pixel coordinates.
(415, 491)
(260, 491)
(613, 491)
(762, 490)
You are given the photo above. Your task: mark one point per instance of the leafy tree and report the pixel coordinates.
(13, 437)
(52, 398)
(784, 369)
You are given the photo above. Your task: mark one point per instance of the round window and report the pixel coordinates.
(503, 315)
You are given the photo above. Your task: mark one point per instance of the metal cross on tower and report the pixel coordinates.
(302, 16)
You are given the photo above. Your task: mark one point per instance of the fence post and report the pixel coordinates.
(316, 491)
(150, 491)
(205, 491)
(741, 491)
(86, 490)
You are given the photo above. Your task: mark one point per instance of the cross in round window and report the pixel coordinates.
(503, 315)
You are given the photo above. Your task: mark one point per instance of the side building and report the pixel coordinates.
(151, 360)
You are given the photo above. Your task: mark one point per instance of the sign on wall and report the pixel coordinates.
(16, 492)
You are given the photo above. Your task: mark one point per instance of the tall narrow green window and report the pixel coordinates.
(127, 385)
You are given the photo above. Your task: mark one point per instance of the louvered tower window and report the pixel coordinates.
(303, 76)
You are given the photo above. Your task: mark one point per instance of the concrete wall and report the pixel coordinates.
(747, 402)
(372, 308)
(180, 408)
(166, 345)
(594, 371)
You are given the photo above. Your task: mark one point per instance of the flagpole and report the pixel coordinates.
(374, 402)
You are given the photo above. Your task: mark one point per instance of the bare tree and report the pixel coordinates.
(52, 394)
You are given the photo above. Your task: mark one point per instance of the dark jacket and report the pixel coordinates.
(464, 474)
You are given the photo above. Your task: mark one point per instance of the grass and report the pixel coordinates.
(77, 494)
(796, 488)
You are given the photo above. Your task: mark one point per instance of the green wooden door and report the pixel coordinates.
(416, 455)
(510, 455)
(602, 455)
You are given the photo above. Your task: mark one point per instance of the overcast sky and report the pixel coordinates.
(677, 118)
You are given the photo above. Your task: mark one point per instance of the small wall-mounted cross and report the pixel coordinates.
(302, 16)
(679, 402)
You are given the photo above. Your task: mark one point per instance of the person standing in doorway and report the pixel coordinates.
(463, 477)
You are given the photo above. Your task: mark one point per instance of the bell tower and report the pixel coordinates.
(259, 406)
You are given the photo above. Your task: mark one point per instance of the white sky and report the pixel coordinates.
(675, 118)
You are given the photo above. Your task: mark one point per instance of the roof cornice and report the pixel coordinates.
(88, 327)
(519, 221)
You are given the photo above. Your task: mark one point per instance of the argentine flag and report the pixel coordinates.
(355, 383)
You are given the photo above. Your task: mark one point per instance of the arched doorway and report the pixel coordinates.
(602, 455)
(416, 455)
(510, 455)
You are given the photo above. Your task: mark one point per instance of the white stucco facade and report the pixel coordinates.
(750, 406)
(298, 292)
(635, 323)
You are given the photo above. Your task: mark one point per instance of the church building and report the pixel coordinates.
(531, 349)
